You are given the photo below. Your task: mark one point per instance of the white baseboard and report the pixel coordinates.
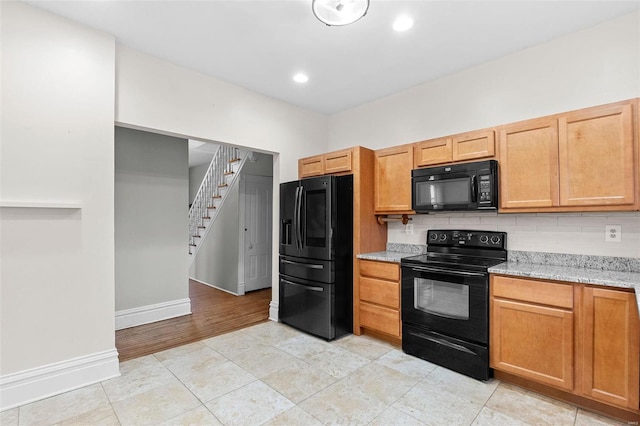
(273, 311)
(152, 313)
(215, 286)
(38, 383)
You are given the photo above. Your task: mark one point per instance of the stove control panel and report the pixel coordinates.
(467, 238)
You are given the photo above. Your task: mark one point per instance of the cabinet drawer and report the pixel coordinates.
(542, 292)
(337, 162)
(384, 270)
(381, 292)
(379, 318)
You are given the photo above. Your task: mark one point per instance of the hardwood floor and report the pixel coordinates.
(213, 312)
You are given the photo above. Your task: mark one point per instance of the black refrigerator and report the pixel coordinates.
(316, 255)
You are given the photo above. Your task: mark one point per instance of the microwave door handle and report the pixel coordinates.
(474, 189)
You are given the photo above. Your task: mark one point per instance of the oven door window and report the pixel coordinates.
(445, 299)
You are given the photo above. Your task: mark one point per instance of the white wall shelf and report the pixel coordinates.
(40, 205)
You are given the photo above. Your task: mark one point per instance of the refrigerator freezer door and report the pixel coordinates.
(307, 306)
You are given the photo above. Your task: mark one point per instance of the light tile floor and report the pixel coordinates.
(271, 374)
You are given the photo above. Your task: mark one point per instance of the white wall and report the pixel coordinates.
(151, 219)
(590, 67)
(57, 265)
(154, 94)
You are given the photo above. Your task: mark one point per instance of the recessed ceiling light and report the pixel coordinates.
(402, 23)
(300, 78)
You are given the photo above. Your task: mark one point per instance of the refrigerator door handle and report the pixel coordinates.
(295, 217)
(304, 265)
(302, 285)
(299, 220)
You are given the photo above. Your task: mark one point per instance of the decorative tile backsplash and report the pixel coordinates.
(572, 233)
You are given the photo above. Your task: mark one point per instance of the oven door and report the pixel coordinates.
(451, 302)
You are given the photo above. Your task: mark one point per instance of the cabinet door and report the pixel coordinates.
(311, 166)
(610, 341)
(392, 186)
(528, 162)
(596, 157)
(532, 341)
(436, 151)
(338, 161)
(474, 145)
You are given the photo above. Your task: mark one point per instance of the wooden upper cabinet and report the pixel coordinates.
(462, 147)
(610, 347)
(474, 145)
(585, 160)
(338, 161)
(528, 162)
(431, 152)
(596, 156)
(311, 166)
(392, 184)
(326, 164)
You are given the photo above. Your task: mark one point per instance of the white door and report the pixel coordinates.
(257, 199)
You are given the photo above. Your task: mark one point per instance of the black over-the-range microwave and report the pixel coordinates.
(467, 186)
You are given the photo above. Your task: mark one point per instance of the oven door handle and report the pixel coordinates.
(447, 271)
(302, 285)
(444, 343)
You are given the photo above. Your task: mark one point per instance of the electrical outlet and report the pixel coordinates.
(613, 233)
(408, 228)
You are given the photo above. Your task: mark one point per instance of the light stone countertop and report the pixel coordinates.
(618, 272)
(603, 271)
(394, 252)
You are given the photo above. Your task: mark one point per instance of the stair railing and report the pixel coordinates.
(211, 194)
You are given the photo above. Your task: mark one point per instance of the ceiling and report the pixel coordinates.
(260, 45)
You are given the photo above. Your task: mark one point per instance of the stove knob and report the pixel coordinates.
(443, 237)
(495, 239)
(433, 237)
(484, 239)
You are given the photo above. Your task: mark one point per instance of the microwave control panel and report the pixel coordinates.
(484, 189)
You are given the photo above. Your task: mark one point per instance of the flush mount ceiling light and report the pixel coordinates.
(339, 12)
(402, 23)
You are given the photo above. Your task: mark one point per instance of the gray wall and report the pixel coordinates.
(151, 218)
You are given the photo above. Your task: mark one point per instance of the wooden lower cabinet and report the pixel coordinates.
(535, 342)
(610, 347)
(378, 301)
(532, 330)
(580, 339)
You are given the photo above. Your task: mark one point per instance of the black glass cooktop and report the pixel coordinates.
(452, 261)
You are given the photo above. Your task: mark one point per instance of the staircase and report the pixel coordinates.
(221, 175)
